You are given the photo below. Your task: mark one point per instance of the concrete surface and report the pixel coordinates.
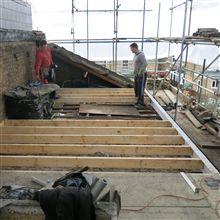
(137, 190)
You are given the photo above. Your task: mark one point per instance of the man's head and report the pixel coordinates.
(134, 48)
(43, 43)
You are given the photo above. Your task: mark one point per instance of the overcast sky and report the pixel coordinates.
(55, 19)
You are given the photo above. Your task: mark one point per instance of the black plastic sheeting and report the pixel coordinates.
(30, 102)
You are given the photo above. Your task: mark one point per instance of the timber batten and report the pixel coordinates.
(105, 150)
(94, 123)
(102, 163)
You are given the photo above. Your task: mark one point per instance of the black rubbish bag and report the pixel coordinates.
(26, 102)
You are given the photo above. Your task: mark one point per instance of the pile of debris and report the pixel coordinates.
(167, 99)
(207, 32)
(76, 195)
(200, 117)
(207, 120)
(204, 119)
(32, 101)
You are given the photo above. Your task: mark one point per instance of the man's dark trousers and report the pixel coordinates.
(139, 86)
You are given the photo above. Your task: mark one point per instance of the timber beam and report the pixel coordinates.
(89, 130)
(105, 150)
(88, 123)
(91, 139)
(37, 162)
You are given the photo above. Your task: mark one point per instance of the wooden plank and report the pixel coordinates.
(70, 107)
(160, 101)
(92, 139)
(164, 97)
(169, 96)
(87, 91)
(211, 129)
(97, 94)
(191, 117)
(71, 149)
(172, 97)
(88, 123)
(146, 111)
(89, 130)
(108, 110)
(91, 99)
(64, 111)
(99, 162)
(200, 137)
(57, 105)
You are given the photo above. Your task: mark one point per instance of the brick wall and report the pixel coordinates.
(17, 61)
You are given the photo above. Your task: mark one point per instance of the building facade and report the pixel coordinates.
(15, 14)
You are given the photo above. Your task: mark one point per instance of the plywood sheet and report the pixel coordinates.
(108, 109)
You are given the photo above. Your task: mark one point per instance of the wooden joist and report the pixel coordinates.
(92, 139)
(37, 162)
(71, 149)
(104, 144)
(89, 130)
(96, 94)
(88, 123)
(91, 99)
(101, 91)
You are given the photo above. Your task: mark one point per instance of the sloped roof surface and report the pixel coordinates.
(90, 66)
(212, 74)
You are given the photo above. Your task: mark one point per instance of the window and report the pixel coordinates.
(173, 75)
(214, 84)
(102, 63)
(181, 79)
(199, 88)
(125, 65)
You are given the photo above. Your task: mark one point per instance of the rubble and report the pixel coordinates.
(207, 32)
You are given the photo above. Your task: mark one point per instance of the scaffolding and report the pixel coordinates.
(185, 40)
(114, 41)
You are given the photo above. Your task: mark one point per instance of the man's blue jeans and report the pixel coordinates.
(139, 86)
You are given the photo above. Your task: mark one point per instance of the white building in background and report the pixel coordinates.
(15, 14)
